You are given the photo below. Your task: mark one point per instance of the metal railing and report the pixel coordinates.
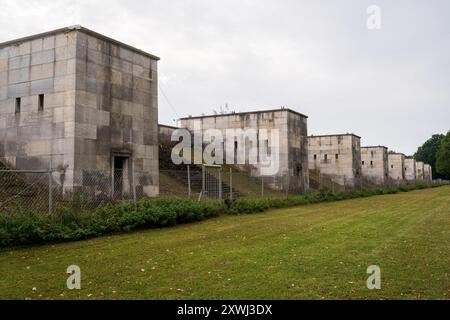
(43, 190)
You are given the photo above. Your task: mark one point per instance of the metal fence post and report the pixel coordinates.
(203, 180)
(189, 181)
(287, 184)
(50, 187)
(262, 186)
(220, 183)
(231, 184)
(320, 180)
(133, 177)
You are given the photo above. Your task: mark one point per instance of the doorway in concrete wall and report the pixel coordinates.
(120, 177)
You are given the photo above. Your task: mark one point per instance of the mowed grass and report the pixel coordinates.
(316, 251)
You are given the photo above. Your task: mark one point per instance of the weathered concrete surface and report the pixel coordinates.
(293, 153)
(410, 169)
(337, 157)
(374, 164)
(396, 163)
(420, 170)
(165, 134)
(427, 173)
(100, 101)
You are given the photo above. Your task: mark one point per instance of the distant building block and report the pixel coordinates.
(374, 164)
(420, 170)
(165, 134)
(410, 169)
(293, 152)
(427, 173)
(396, 163)
(337, 157)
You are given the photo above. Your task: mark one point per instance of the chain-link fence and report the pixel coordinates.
(227, 182)
(22, 189)
(43, 191)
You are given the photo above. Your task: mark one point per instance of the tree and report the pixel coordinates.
(443, 158)
(427, 152)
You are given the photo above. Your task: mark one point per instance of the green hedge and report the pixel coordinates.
(27, 227)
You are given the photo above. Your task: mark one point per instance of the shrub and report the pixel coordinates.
(27, 226)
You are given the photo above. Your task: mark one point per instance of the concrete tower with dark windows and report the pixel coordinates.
(83, 102)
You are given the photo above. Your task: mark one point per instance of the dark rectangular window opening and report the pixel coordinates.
(315, 156)
(268, 149)
(326, 157)
(392, 166)
(363, 163)
(41, 102)
(18, 103)
(371, 163)
(298, 170)
(337, 156)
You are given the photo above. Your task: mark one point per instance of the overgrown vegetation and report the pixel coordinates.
(319, 251)
(443, 157)
(29, 227)
(26, 226)
(436, 152)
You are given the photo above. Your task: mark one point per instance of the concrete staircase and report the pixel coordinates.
(316, 181)
(180, 174)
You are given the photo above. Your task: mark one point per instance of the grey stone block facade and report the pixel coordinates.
(427, 173)
(374, 164)
(420, 170)
(84, 102)
(337, 157)
(165, 134)
(410, 169)
(396, 166)
(293, 152)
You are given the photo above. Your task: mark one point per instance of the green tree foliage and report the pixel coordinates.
(427, 152)
(443, 158)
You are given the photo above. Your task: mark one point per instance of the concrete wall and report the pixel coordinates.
(292, 128)
(396, 162)
(116, 111)
(165, 134)
(100, 101)
(29, 139)
(428, 174)
(374, 164)
(336, 156)
(410, 169)
(420, 170)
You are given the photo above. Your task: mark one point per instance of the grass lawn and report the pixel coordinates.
(308, 252)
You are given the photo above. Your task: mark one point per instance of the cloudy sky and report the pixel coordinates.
(390, 86)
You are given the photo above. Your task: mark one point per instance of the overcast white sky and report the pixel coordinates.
(390, 86)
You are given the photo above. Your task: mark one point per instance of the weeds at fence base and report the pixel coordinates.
(27, 226)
